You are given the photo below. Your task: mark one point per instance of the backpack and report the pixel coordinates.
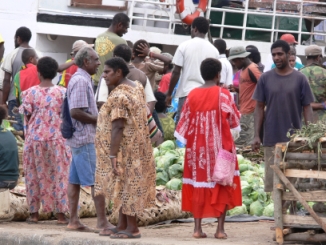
(67, 128)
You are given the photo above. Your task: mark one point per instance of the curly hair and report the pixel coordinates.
(120, 18)
(209, 68)
(24, 33)
(123, 51)
(281, 44)
(201, 23)
(141, 41)
(117, 63)
(3, 113)
(160, 105)
(47, 67)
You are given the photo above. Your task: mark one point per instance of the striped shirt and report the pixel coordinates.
(80, 95)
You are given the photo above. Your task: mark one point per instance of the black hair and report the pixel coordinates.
(141, 41)
(118, 63)
(47, 67)
(254, 54)
(209, 68)
(24, 33)
(120, 18)
(313, 57)
(220, 44)
(160, 105)
(122, 51)
(201, 23)
(3, 113)
(27, 54)
(293, 51)
(281, 44)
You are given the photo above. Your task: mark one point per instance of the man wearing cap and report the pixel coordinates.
(69, 68)
(108, 40)
(286, 95)
(316, 76)
(290, 39)
(247, 83)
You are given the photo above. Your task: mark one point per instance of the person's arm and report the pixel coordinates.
(173, 82)
(116, 137)
(6, 87)
(65, 66)
(307, 114)
(317, 106)
(259, 117)
(82, 116)
(2, 50)
(145, 51)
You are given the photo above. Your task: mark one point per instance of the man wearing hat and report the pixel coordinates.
(247, 83)
(69, 68)
(316, 76)
(290, 39)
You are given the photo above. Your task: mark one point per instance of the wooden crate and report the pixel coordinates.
(296, 160)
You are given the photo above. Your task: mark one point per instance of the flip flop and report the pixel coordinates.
(110, 231)
(81, 229)
(202, 235)
(128, 234)
(30, 221)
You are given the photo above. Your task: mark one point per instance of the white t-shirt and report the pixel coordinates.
(227, 71)
(269, 62)
(189, 56)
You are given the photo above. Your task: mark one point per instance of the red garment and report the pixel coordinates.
(164, 83)
(67, 74)
(199, 129)
(28, 77)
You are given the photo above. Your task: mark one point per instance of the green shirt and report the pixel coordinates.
(104, 46)
(316, 76)
(8, 156)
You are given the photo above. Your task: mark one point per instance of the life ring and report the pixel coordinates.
(189, 18)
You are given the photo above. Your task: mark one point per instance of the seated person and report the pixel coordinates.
(166, 120)
(9, 171)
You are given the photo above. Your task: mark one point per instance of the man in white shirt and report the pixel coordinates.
(289, 38)
(188, 58)
(227, 71)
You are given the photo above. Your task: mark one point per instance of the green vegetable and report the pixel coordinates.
(240, 159)
(156, 152)
(269, 210)
(247, 201)
(175, 171)
(162, 178)
(256, 208)
(6, 125)
(166, 146)
(238, 210)
(181, 151)
(246, 190)
(244, 167)
(174, 184)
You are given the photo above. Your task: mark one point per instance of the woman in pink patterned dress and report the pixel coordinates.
(46, 158)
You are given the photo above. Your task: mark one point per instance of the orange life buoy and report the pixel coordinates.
(189, 18)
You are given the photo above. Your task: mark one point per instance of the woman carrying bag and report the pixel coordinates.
(211, 182)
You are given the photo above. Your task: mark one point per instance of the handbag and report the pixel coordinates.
(224, 168)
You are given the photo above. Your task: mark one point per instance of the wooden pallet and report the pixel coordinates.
(297, 160)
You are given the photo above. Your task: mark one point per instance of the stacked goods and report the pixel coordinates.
(255, 201)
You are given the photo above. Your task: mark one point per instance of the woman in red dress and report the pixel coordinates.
(200, 129)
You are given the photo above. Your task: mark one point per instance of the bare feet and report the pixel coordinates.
(199, 235)
(62, 219)
(33, 218)
(220, 235)
(78, 227)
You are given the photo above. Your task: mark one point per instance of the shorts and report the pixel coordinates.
(83, 165)
(18, 118)
(10, 184)
(269, 152)
(247, 130)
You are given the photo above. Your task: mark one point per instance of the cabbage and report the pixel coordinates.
(175, 171)
(246, 190)
(247, 201)
(181, 151)
(240, 159)
(174, 184)
(166, 161)
(159, 162)
(161, 178)
(166, 146)
(238, 210)
(256, 208)
(269, 210)
(156, 152)
(244, 167)
(259, 194)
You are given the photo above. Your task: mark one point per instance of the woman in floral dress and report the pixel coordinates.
(46, 158)
(200, 129)
(125, 169)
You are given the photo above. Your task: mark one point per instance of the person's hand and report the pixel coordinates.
(114, 166)
(168, 100)
(231, 88)
(143, 49)
(255, 146)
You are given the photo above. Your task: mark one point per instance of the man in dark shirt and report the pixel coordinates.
(9, 171)
(286, 94)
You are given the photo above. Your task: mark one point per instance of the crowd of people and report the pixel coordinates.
(123, 98)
